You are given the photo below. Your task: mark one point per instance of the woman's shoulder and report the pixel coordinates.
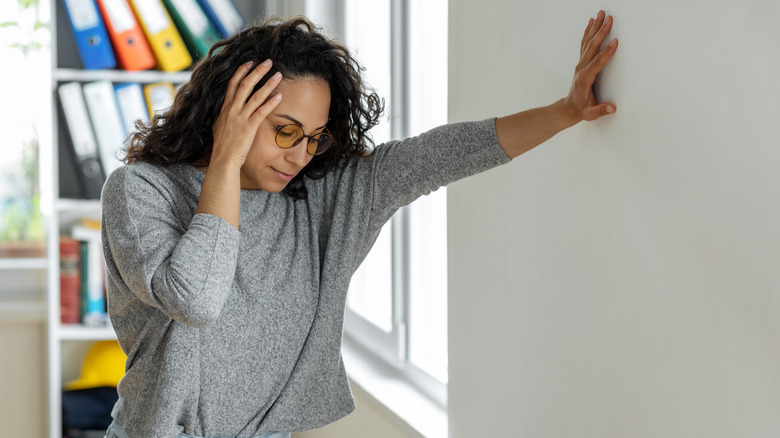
(154, 174)
(143, 179)
(134, 170)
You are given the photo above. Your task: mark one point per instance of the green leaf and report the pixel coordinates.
(9, 24)
(26, 3)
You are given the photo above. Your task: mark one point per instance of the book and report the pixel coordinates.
(70, 287)
(83, 273)
(93, 274)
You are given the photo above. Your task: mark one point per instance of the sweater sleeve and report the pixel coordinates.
(183, 265)
(402, 171)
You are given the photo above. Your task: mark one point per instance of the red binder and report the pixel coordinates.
(131, 49)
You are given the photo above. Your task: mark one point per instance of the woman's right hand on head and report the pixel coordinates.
(240, 117)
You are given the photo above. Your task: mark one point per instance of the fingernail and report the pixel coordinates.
(613, 43)
(277, 76)
(610, 109)
(267, 62)
(248, 64)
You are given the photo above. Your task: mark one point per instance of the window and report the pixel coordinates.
(371, 290)
(397, 305)
(23, 121)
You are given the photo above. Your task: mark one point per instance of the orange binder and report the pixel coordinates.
(131, 49)
(167, 45)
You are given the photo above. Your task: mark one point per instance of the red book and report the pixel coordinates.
(70, 281)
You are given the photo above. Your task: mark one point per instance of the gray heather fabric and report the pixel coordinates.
(238, 332)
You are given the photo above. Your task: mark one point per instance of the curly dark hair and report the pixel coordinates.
(183, 134)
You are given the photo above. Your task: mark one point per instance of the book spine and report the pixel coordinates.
(84, 273)
(93, 285)
(70, 296)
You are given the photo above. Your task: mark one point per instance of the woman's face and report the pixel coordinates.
(306, 103)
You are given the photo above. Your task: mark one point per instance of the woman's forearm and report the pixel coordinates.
(521, 132)
(220, 194)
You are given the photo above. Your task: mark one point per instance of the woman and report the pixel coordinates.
(231, 235)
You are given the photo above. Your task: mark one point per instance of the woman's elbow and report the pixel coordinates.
(198, 316)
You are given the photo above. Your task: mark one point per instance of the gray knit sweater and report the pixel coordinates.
(238, 332)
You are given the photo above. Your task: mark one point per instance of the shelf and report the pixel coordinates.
(23, 263)
(23, 309)
(65, 339)
(76, 205)
(78, 332)
(146, 76)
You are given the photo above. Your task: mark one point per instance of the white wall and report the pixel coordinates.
(623, 279)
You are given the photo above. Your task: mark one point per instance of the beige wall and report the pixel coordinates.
(365, 421)
(22, 378)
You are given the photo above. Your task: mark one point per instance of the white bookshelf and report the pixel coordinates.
(67, 343)
(79, 332)
(13, 264)
(148, 76)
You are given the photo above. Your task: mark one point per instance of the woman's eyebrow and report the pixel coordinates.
(292, 119)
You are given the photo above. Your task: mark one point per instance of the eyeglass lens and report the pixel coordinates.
(290, 135)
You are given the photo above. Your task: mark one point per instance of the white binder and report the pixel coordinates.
(84, 145)
(108, 126)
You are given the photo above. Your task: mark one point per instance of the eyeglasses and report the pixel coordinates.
(288, 136)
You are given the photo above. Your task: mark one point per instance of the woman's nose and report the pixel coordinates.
(298, 154)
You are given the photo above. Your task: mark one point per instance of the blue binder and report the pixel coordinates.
(90, 34)
(224, 15)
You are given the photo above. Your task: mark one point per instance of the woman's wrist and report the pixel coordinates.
(566, 113)
(221, 191)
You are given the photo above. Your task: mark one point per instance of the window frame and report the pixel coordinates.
(392, 348)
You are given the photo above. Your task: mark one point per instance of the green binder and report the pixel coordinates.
(197, 31)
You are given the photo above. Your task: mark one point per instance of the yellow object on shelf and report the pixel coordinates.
(104, 365)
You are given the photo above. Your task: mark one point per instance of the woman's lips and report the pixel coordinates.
(282, 175)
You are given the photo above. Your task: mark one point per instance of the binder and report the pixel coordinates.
(108, 126)
(89, 31)
(67, 169)
(132, 105)
(83, 141)
(224, 15)
(194, 26)
(168, 48)
(131, 49)
(159, 97)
